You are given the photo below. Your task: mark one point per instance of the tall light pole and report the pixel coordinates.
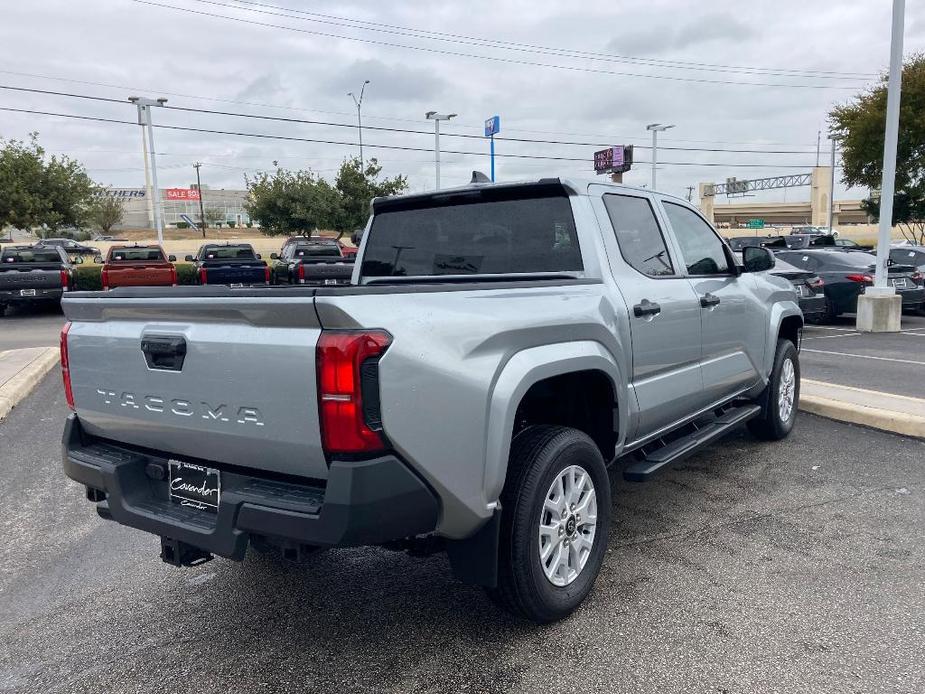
(436, 118)
(359, 105)
(144, 119)
(202, 211)
(832, 184)
(656, 128)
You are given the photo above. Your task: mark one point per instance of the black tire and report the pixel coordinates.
(769, 425)
(538, 455)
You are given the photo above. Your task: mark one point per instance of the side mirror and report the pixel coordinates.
(259, 257)
(357, 236)
(172, 258)
(273, 256)
(98, 259)
(77, 260)
(188, 259)
(757, 259)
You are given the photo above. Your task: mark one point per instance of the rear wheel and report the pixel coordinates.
(555, 518)
(780, 399)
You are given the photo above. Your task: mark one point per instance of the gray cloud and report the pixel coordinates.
(389, 82)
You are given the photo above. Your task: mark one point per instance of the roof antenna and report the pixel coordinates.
(479, 177)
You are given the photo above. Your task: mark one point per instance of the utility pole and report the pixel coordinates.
(436, 118)
(690, 193)
(359, 105)
(149, 193)
(202, 211)
(144, 119)
(656, 128)
(818, 143)
(832, 184)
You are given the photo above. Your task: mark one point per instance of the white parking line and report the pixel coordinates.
(865, 356)
(829, 337)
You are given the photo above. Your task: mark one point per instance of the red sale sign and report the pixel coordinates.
(182, 194)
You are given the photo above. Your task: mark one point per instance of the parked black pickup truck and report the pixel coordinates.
(234, 264)
(312, 260)
(30, 274)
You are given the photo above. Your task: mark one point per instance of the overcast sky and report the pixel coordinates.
(504, 57)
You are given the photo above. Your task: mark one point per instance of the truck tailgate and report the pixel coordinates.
(231, 273)
(243, 394)
(139, 275)
(26, 277)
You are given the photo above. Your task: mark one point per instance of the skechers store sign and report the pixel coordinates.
(123, 192)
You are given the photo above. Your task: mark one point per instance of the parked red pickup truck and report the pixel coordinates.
(138, 266)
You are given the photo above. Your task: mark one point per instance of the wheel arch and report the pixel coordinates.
(533, 366)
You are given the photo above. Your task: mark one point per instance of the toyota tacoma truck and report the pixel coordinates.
(33, 274)
(138, 266)
(234, 264)
(313, 261)
(501, 350)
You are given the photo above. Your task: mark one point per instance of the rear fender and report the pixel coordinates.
(530, 366)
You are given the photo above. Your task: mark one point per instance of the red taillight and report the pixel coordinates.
(64, 280)
(66, 367)
(816, 282)
(104, 278)
(266, 274)
(340, 356)
(862, 279)
(202, 275)
(301, 273)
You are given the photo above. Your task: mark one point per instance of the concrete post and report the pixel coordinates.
(821, 195)
(707, 203)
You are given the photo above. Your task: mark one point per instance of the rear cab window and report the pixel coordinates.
(21, 256)
(316, 250)
(239, 252)
(141, 253)
(510, 230)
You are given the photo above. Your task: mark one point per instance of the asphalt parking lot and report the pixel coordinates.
(30, 326)
(752, 567)
(894, 363)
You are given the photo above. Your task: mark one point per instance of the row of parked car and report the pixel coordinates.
(42, 272)
(829, 273)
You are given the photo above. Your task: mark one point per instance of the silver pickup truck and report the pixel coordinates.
(501, 349)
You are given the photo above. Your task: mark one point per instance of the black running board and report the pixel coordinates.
(656, 458)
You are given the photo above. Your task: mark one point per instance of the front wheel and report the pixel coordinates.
(781, 397)
(555, 518)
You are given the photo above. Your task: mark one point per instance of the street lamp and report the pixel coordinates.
(144, 120)
(359, 105)
(832, 140)
(656, 128)
(436, 118)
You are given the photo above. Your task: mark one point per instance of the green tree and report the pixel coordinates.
(105, 211)
(860, 126)
(284, 202)
(356, 187)
(214, 215)
(36, 191)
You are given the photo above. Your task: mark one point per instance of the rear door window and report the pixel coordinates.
(638, 235)
(486, 232)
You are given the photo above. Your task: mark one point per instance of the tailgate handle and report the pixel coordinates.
(164, 352)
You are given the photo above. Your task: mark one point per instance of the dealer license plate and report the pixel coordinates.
(27, 292)
(195, 485)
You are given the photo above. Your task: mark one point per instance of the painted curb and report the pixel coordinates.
(13, 391)
(873, 417)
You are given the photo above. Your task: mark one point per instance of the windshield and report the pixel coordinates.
(228, 252)
(29, 255)
(136, 254)
(472, 234)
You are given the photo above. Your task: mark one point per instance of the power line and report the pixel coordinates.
(291, 138)
(283, 119)
(197, 97)
(364, 25)
(511, 61)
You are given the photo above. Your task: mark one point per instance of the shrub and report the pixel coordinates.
(182, 225)
(88, 278)
(186, 273)
(249, 225)
(231, 223)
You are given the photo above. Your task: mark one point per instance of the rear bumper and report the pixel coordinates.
(812, 306)
(13, 296)
(912, 298)
(367, 502)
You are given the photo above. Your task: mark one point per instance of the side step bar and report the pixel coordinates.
(680, 448)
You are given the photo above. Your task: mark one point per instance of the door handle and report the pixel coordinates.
(709, 300)
(646, 308)
(166, 353)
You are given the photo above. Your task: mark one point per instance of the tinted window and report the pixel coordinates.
(226, 252)
(136, 254)
(473, 234)
(640, 240)
(29, 255)
(317, 251)
(701, 247)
